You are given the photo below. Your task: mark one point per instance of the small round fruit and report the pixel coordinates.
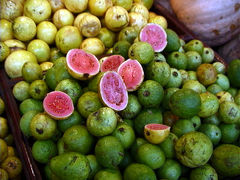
(168, 146)
(185, 103)
(212, 131)
(15, 61)
(13, 166)
(10, 10)
(58, 105)
(133, 107)
(206, 74)
(220, 67)
(99, 7)
(45, 66)
(233, 73)
(194, 45)
(38, 10)
(137, 21)
(173, 41)
(230, 133)
(89, 26)
(194, 60)
(128, 34)
(140, 8)
(170, 170)
(3, 174)
(109, 152)
(76, 6)
(156, 133)
(136, 171)
(121, 48)
(38, 89)
(182, 126)
(30, 104)
(42, 127)
(107, 37)
(67, 38)
(3, 127)
(204, 172)
(56, 5)
(194, 149)
(116, 18)
(2, 106)
(44, 150)
(25, 122)
(160, 20)
(177, 60)
(46, 31)
(5, 51)
(93, 45)
(141, 51)
(229, 112)
(31, 71)
(147, 3)
(24, 28)
(102, 122)
(6, 31)
(63, 17)
(175, 79)
(20, 90)
(207, 55)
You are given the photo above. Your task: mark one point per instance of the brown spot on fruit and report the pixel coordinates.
(237, 7)
(146, 93)
(148, 133)
(216, 32)
(232, 27)
(175, 74)
(39, 131)
(121, 129)
(85, 75)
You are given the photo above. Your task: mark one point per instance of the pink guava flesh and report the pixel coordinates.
(155, 35)
(132, 74)
(111, 63)
(156, 126)
(113, 91)
(58, 105)
(82, 62)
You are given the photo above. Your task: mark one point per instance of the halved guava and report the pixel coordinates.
(82, 65)
(156, 133)
(132, 74)
(155, 35)
(58, 105)
(111, 63)
(113, 91)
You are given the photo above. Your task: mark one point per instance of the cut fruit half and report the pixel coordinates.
(155, 35)
(156, 133)
(111, 63)
(82, 65)
(132, 74)
(113, 91)
(58, 105)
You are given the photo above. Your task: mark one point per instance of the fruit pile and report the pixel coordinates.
(121, 96)
(10, 164)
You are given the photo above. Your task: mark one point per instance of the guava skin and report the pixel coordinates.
(193, 149)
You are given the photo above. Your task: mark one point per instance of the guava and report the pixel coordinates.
(206, 74)
(93, 45)
(89, 26)
(160, 20)
(116, 18)
(207, 55)
(46, 31)
(62, 17)
(45, 66)
(3, 174)
(175, 80)
(79, 18)
(220, 67)
(155, 35)
(67, 38)
(94, 165)
(13, 166)
(25, 122)
(6, 31)
(24, 28)
(137, 21)
(229, 112)
(111, 63)
(15, 61)
(30, 104)
(107, 37)
(70, 87)
(233, 73)
(94, 82)
(76, 6)
(56, 5)
(194, 60)
(113, 91)
(133, 107)
(194, 85)
(121, 48)
(177, 60)
(170, 170)
(194, 149)
(224, 96)
(31, 71)
(82, 65)
(57, 73)
(168, 146)
(15, 45)
(109, 152)
(140, 8)
(102, 122)
(204, 172)
(141, 51)
(223, 81)
(212, 131)
(128, 34)
(182, 126)
(5, 51)
(194, 45)
(38, 89)
(108, 174)
(58, 105)
(10, 9)
(156, 133)
(37, 10)
(226, 160)
(132, 74)
(99, 7)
